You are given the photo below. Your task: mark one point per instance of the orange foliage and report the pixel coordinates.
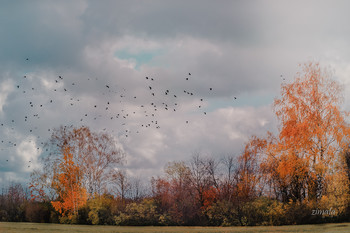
(210, 196)
(249, 171)
(161, 189)
(37, 192)
(312, 132)
(68, 183)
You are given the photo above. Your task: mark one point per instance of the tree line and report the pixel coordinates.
(276, 179)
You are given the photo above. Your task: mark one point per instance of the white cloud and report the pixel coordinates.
(6, 87)
(28, 154)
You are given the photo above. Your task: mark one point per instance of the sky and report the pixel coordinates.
(213, 68)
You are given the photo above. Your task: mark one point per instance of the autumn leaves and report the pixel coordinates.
(299, 164)
(68, 183)
(80, 164)
(278, 178)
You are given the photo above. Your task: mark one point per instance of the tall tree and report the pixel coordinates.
(122, 184)
(312, 133)
(67, 180)
(228, 181)
(248, 172)
(200, 179)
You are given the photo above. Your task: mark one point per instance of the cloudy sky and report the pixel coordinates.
(231, 48)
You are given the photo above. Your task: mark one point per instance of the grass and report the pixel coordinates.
(7, 227)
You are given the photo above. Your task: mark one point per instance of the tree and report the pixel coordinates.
(228, 181)
(97, 155)
(122, 184)
(175, 195)
(12, 203)
(68, 182)
(137, 189)
(312, 133)
(200, 178)
(248, 172)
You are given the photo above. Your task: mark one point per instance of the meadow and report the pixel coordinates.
(11, 227)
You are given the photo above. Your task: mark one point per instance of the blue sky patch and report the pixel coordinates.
(140, 58)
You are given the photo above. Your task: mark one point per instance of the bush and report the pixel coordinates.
(222, 213)
(101, 210)
(263, 211)
(141, 214)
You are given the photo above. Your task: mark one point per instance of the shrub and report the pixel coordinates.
(141, 214)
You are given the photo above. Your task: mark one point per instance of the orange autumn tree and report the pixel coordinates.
(97, 154)
(313, 132)
(68, 183)
(249, 184)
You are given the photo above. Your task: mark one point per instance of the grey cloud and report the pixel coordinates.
(236, 47)
(226, 20)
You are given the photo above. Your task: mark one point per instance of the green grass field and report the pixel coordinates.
(6, 227)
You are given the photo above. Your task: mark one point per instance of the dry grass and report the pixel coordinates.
(6, 227)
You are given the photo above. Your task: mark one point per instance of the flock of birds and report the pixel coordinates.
(119, 108)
